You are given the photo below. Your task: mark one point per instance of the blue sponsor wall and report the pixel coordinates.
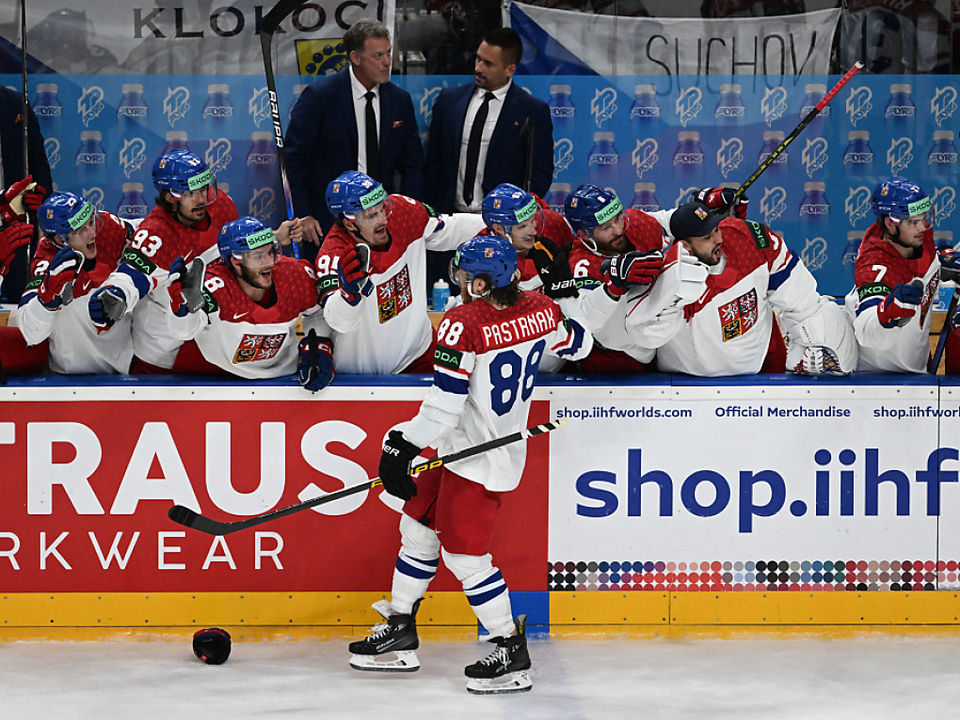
(653, 139)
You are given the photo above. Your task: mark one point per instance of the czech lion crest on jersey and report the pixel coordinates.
(394, 295)
(739, 315)
(254, 347)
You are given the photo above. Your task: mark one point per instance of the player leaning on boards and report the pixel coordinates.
(709, 313)
(488, 353)
(243, 313)
(373, 276)
(895, 280)
(618, 253)
(80, 248)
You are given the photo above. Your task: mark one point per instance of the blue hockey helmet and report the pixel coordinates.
(238, 237)
(353, 193)
(180, 171)
(588, 207)
(508, 205)
(489, 255)
(898, 199)
(63, 213)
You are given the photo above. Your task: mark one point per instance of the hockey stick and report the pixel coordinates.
(526, 132)
(934, 364)
(188, 518)
(23, 55)
(268, 27)
(797, 130)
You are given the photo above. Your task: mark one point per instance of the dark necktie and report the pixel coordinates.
(373, 147)
(473, 149)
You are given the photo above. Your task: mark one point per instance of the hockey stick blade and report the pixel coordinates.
(770, 159)
(194, 520)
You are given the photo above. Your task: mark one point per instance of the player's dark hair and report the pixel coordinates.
(505, 296)
(356, 35)
(163, 201)
(509, 42)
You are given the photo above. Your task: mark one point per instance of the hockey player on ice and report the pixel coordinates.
(373, 275)
(488, 353)
(896, 277)
(709, 313)
(80, 248)
(243, 315)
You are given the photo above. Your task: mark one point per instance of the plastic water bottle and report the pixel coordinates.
(858, 166)
(645, 197)
(176, 140)
(688, 159)
(557, 195)
(730, 110)
(777, 171)
(132, 205)
(441, 293)
(849, 258)
(132, 110)
(942, 158)
(814, 208)
(49, 111)
(814, 94)
(218, 112)
(264, 176)
(645, 112)
(91, 161)
(562, 111)
(901, 112)
(603, 162)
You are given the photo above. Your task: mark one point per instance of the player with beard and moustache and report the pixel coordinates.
(710, 312)
(896, 277)
(373, 277)
(252, 298)
(189, 212)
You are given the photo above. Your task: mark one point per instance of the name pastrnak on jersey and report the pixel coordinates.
(484, 371)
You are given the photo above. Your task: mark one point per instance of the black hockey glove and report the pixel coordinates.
(395, 461)
(553, 269)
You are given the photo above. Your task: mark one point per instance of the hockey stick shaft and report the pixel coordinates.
(768, 161)
(268, 27)
(527, 132)
(188, 518)
(26, 100)
(944, 332)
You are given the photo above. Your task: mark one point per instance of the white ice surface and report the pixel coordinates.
(809, 677)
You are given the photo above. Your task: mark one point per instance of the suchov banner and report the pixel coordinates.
(185, 37)
(564, 42)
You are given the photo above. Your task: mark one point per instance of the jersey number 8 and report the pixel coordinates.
(510, 376)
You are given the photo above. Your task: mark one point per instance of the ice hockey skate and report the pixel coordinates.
(391, 645)
(506, 669)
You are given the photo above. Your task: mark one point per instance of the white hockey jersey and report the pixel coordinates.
(389, 329)
(75, 346)
(484, 372)
(246, 338)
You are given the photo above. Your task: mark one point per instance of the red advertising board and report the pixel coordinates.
(87, 486)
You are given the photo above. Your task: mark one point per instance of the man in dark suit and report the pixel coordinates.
(328, 132)
(12, 171)
(499, 151)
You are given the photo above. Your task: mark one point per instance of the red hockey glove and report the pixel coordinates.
(7, 213)
(720, 200)
(57, 286)
(352, 273)
(12, 238)
(901, 304)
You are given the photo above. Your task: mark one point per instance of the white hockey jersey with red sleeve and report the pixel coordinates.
(390, 328)
(75, 346)
(484, 372)
(727, 330)
(248, 339)
(142, 275)
(880, 268)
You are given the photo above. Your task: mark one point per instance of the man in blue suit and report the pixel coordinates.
(500, 150)
(328, 131)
